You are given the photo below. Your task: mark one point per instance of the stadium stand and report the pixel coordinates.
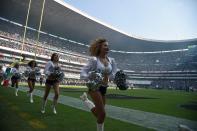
(150, 63)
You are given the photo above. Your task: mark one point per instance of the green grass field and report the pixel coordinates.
(19, 110)
(20, 115)
(167, 102)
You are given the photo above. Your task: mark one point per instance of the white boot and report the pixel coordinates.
(89, 104)
(54, 110)
(31, 98)
(16, 92)
(86, 101)
(100, 127)
(43, 106)
(84, 97)
(53, 106)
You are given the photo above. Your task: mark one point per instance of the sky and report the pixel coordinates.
(149, 19)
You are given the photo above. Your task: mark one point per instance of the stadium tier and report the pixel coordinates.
(68, 32)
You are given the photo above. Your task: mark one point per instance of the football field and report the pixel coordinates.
(18, 114)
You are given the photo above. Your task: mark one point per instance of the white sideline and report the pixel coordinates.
(146, 119)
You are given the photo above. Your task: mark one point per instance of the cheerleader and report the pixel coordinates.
(15, 77)
(9, 72)
(1, 74)
(107, 66)
(51, 81)
(41, 80)
(32, 71)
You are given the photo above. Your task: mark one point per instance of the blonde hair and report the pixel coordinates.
(96, 46)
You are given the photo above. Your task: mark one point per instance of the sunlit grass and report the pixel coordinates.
(20, 115)
(166, 102)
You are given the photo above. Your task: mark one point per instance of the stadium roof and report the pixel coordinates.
(65, 21)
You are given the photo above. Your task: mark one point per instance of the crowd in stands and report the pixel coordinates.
(187, 85)
(12, 36)
(39, 50)
(171, 61)
(46, 46)
(180, 60)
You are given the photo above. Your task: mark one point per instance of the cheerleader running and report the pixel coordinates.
(107, 66)
(1, 74)
(51, 81)
(15, 77)
(32, 71)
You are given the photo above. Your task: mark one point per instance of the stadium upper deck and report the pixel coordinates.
(65, 21)
(64, 26)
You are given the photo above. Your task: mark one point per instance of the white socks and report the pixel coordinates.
(86, 101)
(54, 104)
(43, 106)
(100, 127)
(31, 98)
(16, 92)
(54, 110)
(89, 104)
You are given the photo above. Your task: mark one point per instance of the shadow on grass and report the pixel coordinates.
(118, 96)
(190, 106)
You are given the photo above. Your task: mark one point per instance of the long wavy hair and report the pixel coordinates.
(53, 56)
(30, 64)
(95, 47)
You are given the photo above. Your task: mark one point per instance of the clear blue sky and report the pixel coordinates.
(152, 19)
